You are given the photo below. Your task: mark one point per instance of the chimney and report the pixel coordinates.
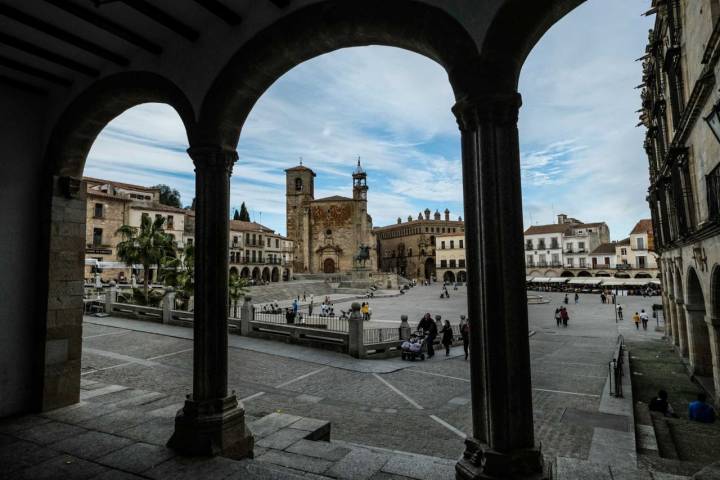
(447, 215)
(562, 219)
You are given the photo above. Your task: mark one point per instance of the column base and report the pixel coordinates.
(215, 427)
(480, 462)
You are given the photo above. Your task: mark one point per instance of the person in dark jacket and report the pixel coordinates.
(447, 337)
(428, 326)
(465, 333)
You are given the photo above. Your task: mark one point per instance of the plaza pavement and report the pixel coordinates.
(419, 407)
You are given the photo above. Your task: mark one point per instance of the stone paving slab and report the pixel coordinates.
(49, 432)
(415, 467)
(323, 450)
(282, 439)
(297, 462)
(137, 458)
(271, 424)
(63, 467)
(359, 464)
(91, 445)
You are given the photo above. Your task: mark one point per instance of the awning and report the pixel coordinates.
(558, 280)
(585, 281)
(528, 279)
(636, 282)
(541, 280)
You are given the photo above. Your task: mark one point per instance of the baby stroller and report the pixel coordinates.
(414, 347)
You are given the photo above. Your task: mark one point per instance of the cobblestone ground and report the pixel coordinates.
(424, 408)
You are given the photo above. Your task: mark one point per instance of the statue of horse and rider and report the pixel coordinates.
(363, 255)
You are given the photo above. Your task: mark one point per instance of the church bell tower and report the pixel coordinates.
(300, 191)
(360, 187)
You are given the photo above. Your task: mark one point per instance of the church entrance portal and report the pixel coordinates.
(329, 265)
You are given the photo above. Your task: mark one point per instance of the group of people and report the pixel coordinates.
(562, 316)
(698, 410)
(444, 293)
(429, 327)
(566, 300)
(607, 297)
(641, 317)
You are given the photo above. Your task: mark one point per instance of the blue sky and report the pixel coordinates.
(581, 152)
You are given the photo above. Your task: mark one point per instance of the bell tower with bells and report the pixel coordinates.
(360, 187)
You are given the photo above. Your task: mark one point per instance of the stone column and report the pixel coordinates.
(698, 340)
(669, 314)
(212, 422)
(713, 324)
(682, 327)
(356, 338)
(168, 305)
(405, 329)
(502, 443)
(247, 315)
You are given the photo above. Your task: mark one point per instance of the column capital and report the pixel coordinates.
(472, 111)
(211, 156)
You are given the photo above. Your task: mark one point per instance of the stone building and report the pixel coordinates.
(408, 248)
(631, 257)
(681, 111)
(327, 232)
(258, 253)
(450, 257)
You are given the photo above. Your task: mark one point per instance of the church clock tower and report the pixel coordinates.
(360, 187)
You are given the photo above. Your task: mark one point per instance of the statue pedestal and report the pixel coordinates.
(361, 277)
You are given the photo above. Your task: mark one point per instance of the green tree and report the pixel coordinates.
(169, 196)
(244, 215)
(237, 288)
(147, 246)
(179, 272)
(237, 215)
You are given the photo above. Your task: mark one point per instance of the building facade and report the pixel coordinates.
(680, 109)
(327, 232)
(450, 257)
(256, 251)
(409, 248)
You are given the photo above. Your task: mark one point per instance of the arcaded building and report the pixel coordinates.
(408, 248)
(681, 111)
(327, 232)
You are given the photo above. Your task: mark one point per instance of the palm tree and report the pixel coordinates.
(237, 287)
(178, 272)
(146, 246)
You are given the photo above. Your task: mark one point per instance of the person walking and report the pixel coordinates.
(295, 306)
(577, 298)
(428, 327)
(565, 316)
(636, 319)
(465, 334)
(364, 310)
(447, 337)
(558, 317)
(619, 312)
(310, 306)
(644, 319)
(566, 299)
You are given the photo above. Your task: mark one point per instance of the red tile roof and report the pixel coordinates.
(643, 226)
(552, 228)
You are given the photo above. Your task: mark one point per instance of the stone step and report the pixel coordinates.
(566, 468)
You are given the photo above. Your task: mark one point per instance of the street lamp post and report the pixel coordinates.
(713, 120)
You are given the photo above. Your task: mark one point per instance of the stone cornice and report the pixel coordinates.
(212, 157)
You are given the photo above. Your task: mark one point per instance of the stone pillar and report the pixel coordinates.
(247, 315)
(212, 422)
(713, 324)
(405, 329)
(168, 305)
(110, 299)
(669, 327)
(356, 339)
(502, 443)
(698, 340)
(682, 327)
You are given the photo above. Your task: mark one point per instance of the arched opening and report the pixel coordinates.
(275, 276)
(699, 350)
(449, 277)
(584, 273)
(286, 275)
(602, 274)
(66, 153)
(567, 273)
(245, 272)
(429, 269)
(643, 275)
(329, 265)
(256, 274)
(233, 271)
(266, 274)
(462, 276)
(622, 275)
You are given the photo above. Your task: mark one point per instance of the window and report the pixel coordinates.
(158, 216)
(189, 242)
(623, 251)
(268, 242)
(554, 243)
(582, 262)
(543, 260)
(298, 185)
(528, 244)
(235, 240)
(98, 210)
(541, 244)
(170, 221)
(253, 256)
(452, 264)
(461, 244)
(529, 260)
(443, 263)
(571, 262)
(607, 260)
(640, 243)
(555, 259)
(641, 262)
(569, 247)
(442, 245)
(97, 237)
(461, 263)
(277, 243)
(581, 246)
(452, 244)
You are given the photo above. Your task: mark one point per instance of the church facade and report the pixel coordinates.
(327, 232)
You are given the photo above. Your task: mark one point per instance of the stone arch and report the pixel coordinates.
(567, 273)
(275, 275)
(245, 272)
(643, 275)
(622, 275)
(329, 266)
(70, 140)
(549, 273)
(233, 271)
(322, 28)
(266, 274)
(449, 277)
(699, 350)
(602, 274)
(534, 273)
(462, 276)
(584, 273)
(256, 274)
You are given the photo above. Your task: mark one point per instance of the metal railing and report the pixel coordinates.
(372, 336)
(330, 323)
(615, 368)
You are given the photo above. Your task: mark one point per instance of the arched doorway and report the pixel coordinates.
(286, 275)
(429, 268)
(567, 273)
(266, 274)
(245, 272)
(699, 351)
(462, 276)
(584, 274)
(256, 274)
(449, 277)
(329, 265)
(233, 271)
(602, 274)
(275, 275)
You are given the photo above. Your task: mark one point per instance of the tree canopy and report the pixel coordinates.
(244, 214)
(169, 196)
(237, 215)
